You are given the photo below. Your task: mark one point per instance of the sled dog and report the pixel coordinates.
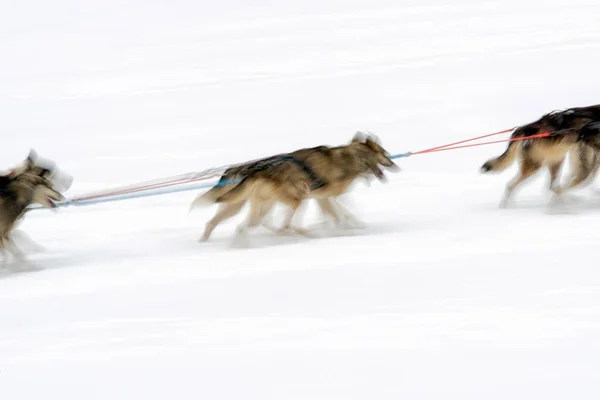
(321, 173)
(53, 180)
(549, 151)
(18, 193)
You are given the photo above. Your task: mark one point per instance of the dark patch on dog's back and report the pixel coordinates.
(567, 118)
(245, 170)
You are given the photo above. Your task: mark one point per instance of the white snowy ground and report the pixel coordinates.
(442, 296)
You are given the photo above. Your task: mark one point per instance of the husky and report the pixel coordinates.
(234, 174)
(549, 151)
(18, 193)
(34, 165)
(322, 173)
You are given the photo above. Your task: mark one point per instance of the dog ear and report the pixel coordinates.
(371, 143)
(32, 156)
(359, 136)
(374, 138)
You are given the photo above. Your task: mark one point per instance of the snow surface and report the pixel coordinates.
(442, 296)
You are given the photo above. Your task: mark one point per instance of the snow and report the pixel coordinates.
(442, 296)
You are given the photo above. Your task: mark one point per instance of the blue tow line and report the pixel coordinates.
(401, 155)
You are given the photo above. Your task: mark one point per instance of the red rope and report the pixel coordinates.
(161, 183)
(139, 188)
(446, 147)
(465, 141)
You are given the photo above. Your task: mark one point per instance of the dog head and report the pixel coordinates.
(40, 188)
(44, 169)
(372, 155)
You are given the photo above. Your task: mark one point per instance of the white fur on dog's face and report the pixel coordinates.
(61, 181)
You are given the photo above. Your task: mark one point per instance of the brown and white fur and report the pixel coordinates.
(550, 151)
(55, 181)
(16, 195)
(289, 182)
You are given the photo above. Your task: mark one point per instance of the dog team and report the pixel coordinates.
(324, 173)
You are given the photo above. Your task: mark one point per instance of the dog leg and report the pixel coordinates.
(265, 210)
(10, 247)
(323, 205)
(294, 205)
(554, 173)
(331, 207)
(225, 211)
(527, 170)
(327, 208)
(348, 216)
(594, 173)
(581, 178)
(287, 220)
(594, 168)
(4, 253)
(592, 177)
(253, 220)
(582, 175)
(576, 180)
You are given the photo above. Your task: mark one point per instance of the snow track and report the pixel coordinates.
(442, 296)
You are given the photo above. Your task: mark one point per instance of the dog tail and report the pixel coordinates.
(505, 159)
(241, 192)
(210, 197)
